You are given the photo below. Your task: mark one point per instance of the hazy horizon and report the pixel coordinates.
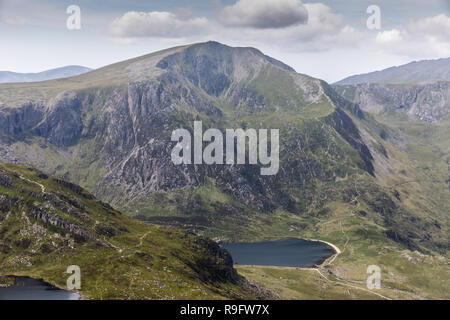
(92, 69)
(326, 39)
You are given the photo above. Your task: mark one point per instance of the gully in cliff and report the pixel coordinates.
(214, 151)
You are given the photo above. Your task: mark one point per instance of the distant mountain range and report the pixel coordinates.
(414, 72)
(63, 72)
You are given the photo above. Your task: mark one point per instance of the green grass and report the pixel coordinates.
(138, 261)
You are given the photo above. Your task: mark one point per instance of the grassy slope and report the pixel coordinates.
(142, 262)
(416, 172)
(303, 284)
(341, 224)
(362, 244)
(338, 216)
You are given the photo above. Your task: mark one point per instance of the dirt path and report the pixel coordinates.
(342, 282)
(31, 181)
(143, 237)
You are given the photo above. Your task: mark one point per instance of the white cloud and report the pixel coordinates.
(323, 30)
(157, 24)
(437, 27)
(264, 14)
(390, 36)
(429, 36)
(323, 33)
(323, 24)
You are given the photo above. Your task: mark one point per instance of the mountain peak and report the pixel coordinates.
(214, 47)
(202, 57)
(211, 61)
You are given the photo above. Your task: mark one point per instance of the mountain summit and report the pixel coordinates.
(116, 123)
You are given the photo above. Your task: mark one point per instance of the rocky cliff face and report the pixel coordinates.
(129, 126)
(58, 121)
(17, 122)
(429, 102)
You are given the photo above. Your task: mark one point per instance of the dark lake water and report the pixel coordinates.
(32, 289)
(282, 253)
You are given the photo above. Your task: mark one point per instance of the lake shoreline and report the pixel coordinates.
(337, 251)
(316, 264)
(44, 281)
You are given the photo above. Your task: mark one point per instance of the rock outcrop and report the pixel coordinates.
(429, 102)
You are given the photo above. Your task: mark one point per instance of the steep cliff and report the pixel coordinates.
(428, 102)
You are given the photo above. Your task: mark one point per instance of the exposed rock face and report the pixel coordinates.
(414, 72)
(59, 122)
(217, 263)
(57, 209)
(63, 125)
(57, 221)
(5, 180)
(126, 128)
(429, 102)
(17, 122)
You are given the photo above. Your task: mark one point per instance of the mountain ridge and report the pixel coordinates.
(237, 77)
(413, 72)
(57, 73)
(48, 224)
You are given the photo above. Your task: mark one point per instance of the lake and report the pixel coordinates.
(32, 289)
(282, 253)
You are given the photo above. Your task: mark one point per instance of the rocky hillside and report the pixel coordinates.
(115, 138)
(110, 130)
(414, 72)
(48, 224)
(429, 102)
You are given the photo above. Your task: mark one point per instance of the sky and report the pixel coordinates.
(327, 39)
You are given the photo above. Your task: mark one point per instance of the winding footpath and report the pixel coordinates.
(31, 181)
